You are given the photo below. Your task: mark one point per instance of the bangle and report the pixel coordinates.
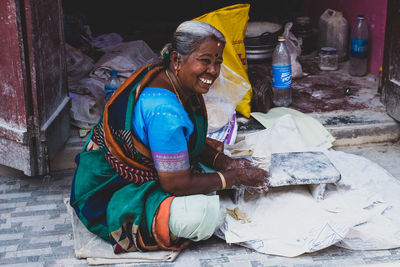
(223, 181)
(215, 159)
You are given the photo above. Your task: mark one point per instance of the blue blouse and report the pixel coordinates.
(161, 123)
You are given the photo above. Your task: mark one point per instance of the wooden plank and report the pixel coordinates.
(15, 140)
(47, 56)
(392, 100)
(13, 87)
(45, 39)
(391, 65)
(7, 130)
(33, 92)
(17, 156)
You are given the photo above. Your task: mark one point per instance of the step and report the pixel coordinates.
(348, 127)
(360, 127)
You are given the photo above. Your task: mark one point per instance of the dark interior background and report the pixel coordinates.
(155, 21)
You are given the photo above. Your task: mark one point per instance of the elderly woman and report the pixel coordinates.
(138, 183)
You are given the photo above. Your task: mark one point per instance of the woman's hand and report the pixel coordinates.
(238, 163)
(244, 171)
(254, 177)
(250, 176)
(224, 163)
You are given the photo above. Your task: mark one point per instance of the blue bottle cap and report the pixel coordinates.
(360, 16)
(114, 73)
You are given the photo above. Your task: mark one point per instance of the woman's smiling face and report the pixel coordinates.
(201, 68)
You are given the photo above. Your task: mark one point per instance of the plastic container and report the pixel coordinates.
(333, 31)
(304, 33)
(359, 48)
(111, 85)
(281, 75)
(328, 59)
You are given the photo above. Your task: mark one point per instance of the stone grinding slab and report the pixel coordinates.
(298, 168)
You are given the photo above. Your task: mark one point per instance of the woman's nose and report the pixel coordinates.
(213, 69)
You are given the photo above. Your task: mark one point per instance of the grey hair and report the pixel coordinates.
(189, 36)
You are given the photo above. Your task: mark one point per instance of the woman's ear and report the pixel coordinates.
(174, 57)
(176, 62)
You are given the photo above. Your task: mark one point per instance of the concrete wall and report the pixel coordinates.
(375, 16)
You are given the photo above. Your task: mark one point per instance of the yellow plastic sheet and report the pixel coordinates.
(232, 22)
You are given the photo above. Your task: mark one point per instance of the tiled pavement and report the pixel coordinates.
(35, 230)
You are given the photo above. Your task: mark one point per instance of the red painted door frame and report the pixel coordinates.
(34, 106)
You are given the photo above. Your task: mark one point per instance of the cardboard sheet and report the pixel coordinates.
(97, 251)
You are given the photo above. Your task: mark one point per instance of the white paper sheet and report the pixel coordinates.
(361, 212)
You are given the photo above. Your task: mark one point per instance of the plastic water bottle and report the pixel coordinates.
(281, 75)
(359, 48)
(111, 85)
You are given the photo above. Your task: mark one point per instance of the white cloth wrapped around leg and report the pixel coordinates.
(195, 217)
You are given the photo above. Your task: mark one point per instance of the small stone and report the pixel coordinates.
(347, 91)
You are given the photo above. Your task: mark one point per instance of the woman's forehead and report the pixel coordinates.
(210, 47)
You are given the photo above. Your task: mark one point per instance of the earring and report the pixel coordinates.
(176, 71)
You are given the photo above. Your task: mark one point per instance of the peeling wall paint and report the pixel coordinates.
(12, 88)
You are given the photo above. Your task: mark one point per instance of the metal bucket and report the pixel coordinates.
(260, 40)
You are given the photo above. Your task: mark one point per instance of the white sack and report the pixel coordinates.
(78, 64)
(126, 58)
(294, 49)
(362, 211)
(87, 103)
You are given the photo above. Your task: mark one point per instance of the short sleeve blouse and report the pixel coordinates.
(162, 124)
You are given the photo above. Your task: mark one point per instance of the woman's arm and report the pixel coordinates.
(164, 126)
(183, 183)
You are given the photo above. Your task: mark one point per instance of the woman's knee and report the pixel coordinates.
(195, 217)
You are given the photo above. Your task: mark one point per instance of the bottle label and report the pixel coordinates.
(359, 48)
(109, 89)
(282, 77)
